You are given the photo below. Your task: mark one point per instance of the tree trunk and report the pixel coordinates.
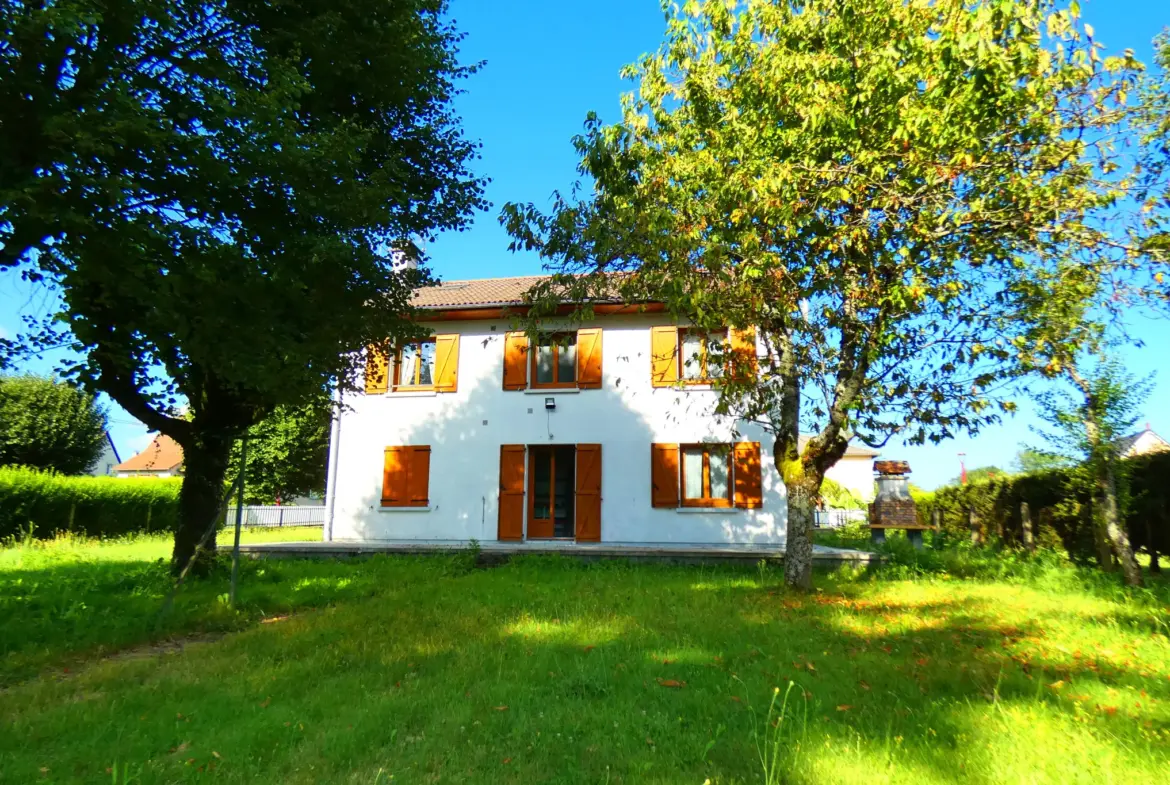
(1111, 523)
(205, 462)
(1026, 526)
(798, 551)
(1095, 523)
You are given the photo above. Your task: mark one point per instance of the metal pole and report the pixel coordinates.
(239, 520)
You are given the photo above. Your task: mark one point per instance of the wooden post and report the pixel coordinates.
(973, 525)
(1026, 526)
(936, 518)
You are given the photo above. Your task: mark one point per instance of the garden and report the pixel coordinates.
(956, 664)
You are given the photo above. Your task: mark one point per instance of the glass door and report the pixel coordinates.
(552, 469)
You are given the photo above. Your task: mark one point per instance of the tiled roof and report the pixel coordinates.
(481, 293)
(161, 455)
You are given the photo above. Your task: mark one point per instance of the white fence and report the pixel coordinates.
(277, 515)
(835, 519)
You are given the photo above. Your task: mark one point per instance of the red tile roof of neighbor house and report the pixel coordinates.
(480, 293)
(161, 455)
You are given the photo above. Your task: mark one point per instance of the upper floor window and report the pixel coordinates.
(431, 364)
(690, 356)
(414, 366)
(554, 360)
(695, 361)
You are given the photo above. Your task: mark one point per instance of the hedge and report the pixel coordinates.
(1060, 507)
(94, 506)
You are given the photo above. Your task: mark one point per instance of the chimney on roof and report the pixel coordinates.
(404, 257)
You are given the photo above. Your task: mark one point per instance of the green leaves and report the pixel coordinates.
(864, 181)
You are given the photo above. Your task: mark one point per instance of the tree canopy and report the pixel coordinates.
(220, 192)
(48, 424)
(287, 454)
(862, 182)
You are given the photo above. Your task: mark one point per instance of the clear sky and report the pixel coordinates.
(547, 65)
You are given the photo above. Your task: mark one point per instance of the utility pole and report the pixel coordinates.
(239, 520)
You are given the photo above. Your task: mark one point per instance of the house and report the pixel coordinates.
(601, 432)
(107, 460)
(163, 457)
(1141, 443)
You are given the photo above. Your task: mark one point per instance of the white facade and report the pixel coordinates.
(466, 429)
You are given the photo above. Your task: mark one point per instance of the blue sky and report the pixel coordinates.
(548, 64)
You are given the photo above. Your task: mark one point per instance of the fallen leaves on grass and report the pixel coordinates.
(500, 708)
(844, 707)
(671, 683)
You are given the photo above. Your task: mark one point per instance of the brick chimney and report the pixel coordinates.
(892, 508)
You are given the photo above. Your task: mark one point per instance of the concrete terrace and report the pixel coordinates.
(495, 552)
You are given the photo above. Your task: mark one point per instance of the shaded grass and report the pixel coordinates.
(72, 596)
(546, 670)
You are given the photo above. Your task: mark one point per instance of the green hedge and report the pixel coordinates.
(1060, 506)
(94, 506)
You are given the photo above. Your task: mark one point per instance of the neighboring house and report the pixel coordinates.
(1141, 443)
(163, 457)
(602, 433)
(855, 469)
(108, 460)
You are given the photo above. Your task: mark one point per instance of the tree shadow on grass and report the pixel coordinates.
(549, 671)
(60, 615)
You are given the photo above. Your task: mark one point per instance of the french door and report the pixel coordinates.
(551, 491)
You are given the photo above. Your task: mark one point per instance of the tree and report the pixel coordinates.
(860, 181)
(48, 424)
(221, 192)
(287, 454)
(1087, 420)
(1030, 460)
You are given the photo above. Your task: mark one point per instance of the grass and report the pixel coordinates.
(70, 598)
(422, 669)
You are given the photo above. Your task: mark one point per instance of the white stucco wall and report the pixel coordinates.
(854, 472)
(465, 430)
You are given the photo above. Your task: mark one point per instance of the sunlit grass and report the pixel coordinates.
(545, 670)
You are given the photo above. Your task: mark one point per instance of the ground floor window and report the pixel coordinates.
(706, 475)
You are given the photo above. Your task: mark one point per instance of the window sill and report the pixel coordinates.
(688, 387)
(708, 510)
(552, 390)
(428, 508)
(412, 394)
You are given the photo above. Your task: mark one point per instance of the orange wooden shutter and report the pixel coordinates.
(663, 355)
(511, 525)
(748, 480)
(446, 363)
(589, 358)
(664, 475)
(418, 477)
(395, 463)
(515, 361)
(742, 365)
(589, 492)
(377, 371)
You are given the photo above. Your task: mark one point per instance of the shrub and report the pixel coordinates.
(1060, 505)
(45, 503)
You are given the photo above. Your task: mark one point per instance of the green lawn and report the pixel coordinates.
(423, 670)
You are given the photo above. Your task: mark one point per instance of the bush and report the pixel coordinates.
(45, 503)
(1060, 504)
